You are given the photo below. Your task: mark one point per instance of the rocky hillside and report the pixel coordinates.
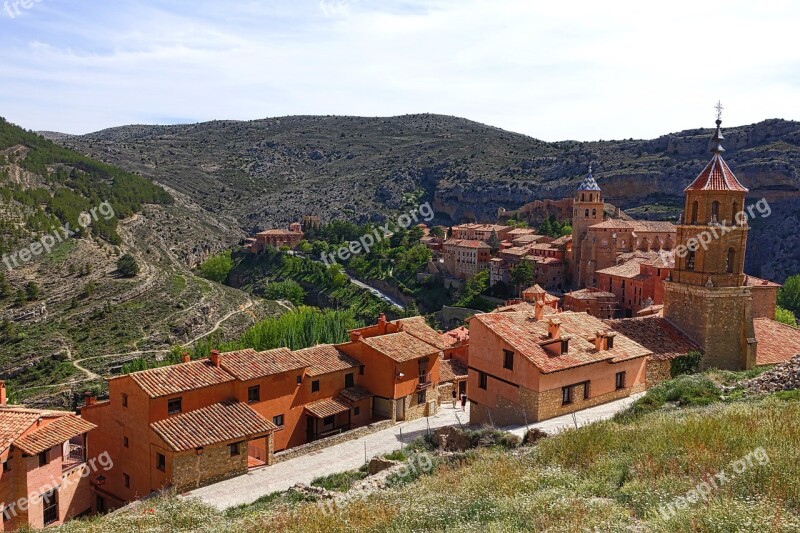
(272, 171)
(68, 315)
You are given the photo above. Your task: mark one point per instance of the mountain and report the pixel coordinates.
(67, 315)
(269, 172)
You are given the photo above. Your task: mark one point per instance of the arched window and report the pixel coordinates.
(690, 260)
(587, 214)
(594, 212)
(583, 197)
(591, 197)
(730, 260)
(715, 211)
(695, 208)
(735, 213)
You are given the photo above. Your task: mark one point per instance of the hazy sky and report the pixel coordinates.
(554, 70)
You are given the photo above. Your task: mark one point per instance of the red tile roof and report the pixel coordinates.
(451, 370)
(466, 243)
(656, 334)
(776, 342)
(590, 294)
(401, 347)
(752, 281)
(628, 270)
(14, 423)
(54, 433)
(454, 336)
(217, 423)
(327, 407)
(653, 226)
(249, 364)
(324, 359)
(355, 394)
(525, 336)
(182, 377)
(419, 328)
(717, 176)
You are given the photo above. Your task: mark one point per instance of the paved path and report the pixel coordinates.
(338, 458)
(350, 455)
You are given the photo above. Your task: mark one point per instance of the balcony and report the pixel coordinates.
(74, 456)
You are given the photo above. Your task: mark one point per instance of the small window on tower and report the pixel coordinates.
(690, 261)
(730, 260)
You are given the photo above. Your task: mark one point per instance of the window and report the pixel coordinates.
(421, 398)
(483, 380)
(690, 257)
(566, 395)
(356, 411)
(729, 261)
(278, 420)
(43, 458)
(620, 380)
(327, 421)
(508, 359)
(50, 507)
(299, 379)
(695, 208)
(161, 462)
(174, 406)
(124, 400)
(715, 211)
(233, 449)
(254, 394)
(349, 380)
(315, 386)
(586, 214)
(361, 370)
(587, 390)
(6, 466)
(125, 442)
(126, 480)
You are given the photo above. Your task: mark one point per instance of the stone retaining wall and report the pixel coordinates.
(317, 445)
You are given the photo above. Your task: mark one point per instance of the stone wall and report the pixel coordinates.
(317, 445)
(658, 370)
(190, 470)
(414, 409)
(550, 404)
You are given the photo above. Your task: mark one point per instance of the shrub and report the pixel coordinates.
(684, 391)
(340, 482)
(217, 267)
(127, 266)
(686, 364)
(285, 290)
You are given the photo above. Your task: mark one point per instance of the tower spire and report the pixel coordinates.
(716, 146)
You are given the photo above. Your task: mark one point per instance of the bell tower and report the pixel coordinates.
(587, 211)
(707, 296)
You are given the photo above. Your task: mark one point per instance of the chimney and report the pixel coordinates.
(554, 329)
(89, 398)
(355, 336)
(600, 341)
(3, 393)
(216, 360)
(185, 357)
(382, 318)
(539, 312)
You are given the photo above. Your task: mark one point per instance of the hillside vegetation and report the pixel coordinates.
(272, 171)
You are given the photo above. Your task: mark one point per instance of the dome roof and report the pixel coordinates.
(589, 183)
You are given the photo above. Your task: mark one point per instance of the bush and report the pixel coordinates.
(217, 267)
(127, 266)
(684, 391)
(686, 364)
(340, 482)
(285, 290)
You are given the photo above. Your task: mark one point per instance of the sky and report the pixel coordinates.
(582, 70)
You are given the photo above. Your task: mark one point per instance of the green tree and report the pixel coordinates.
(5, 287)
(437, 231)
(19, 299)
(789, 295)
(285, 290)
(785, 316)
(127, 266)
(31, 291)
(494, 242)
(522, 276)
(304, 247)
(217, 267)
(473, 289)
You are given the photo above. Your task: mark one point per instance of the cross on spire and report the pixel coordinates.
(719, 109)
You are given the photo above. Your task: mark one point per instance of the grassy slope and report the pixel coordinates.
(608, 476)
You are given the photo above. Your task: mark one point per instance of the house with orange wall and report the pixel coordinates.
(45, 478)
(523, 369)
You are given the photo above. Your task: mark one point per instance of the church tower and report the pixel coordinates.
(706, 296)
(587, 211)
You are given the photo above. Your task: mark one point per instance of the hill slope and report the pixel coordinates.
(68, 316)
(272, 171)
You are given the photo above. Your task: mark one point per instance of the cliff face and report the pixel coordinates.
(271, 172)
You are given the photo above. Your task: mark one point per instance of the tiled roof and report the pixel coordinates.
(452, 369)
(324, 359)
(420, 329)
(524, 335)
(653, 226)
(590, 294)
(717, 176)
(401, 347)
(466, 243)
(589, 183)
(527, 239)
(631, 269)
(327, 407)
(182, 377)
(54, 433)
(355, 394)
(524, 307)
(14, 423)
(776, 342)
(219, 422)
(612, 224)
(517, 232)
(536, 289)
(280, 232)
(656, 334)
(249, 364)
(752, 281)
(562, 240)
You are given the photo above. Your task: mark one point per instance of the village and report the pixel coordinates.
(609, 308)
